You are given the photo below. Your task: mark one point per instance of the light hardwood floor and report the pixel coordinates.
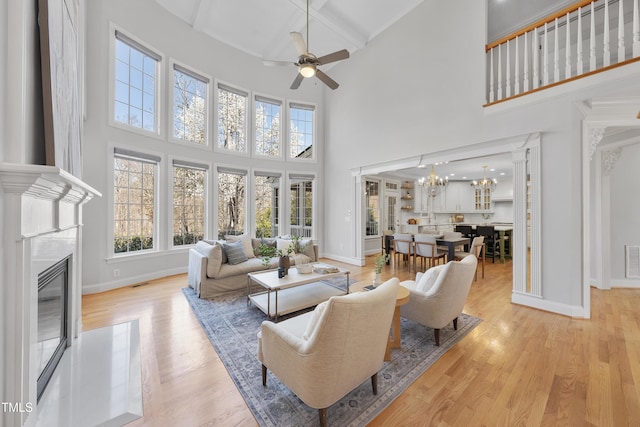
(520, 366)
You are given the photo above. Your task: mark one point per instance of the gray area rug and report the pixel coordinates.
(232, 328)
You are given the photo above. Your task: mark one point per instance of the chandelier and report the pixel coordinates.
(485, 184)
(433, 183)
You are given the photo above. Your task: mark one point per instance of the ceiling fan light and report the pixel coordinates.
(308, 70)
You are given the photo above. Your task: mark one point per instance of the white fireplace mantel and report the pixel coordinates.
(42, 223)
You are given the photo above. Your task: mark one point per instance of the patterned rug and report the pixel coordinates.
(232, 328)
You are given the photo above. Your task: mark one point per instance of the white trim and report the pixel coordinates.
(625, 283)
(254, 128)
(157, 215)
(207, 107)
(546, 305)
(248, 120)
(158, 132)
(131, 280)
(347, 260)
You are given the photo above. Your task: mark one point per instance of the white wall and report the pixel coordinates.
(419, 88)
(625, 208)
(149, 22)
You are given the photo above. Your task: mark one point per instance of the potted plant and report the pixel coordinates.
(380, 262)
(268, 252)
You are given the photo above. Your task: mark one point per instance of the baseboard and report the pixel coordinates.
(625, 283)
(347, 260)
(553, 307)
(128, 281)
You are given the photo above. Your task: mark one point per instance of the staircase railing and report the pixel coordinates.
(572, 43)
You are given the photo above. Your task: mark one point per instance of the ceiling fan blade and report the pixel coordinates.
(327, 80)
(269, 63)
(333, 57)
(298, 42)
(297, 81)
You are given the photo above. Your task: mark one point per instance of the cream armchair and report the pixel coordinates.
(324, 354)
(437, 297)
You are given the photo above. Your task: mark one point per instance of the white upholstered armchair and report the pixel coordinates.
(437, 297)
(324, 354)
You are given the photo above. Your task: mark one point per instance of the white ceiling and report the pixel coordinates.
(467, 169)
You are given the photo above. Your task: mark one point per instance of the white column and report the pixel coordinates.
(535, 178)
(519, 236)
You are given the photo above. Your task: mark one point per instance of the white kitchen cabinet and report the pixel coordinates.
(460, 197)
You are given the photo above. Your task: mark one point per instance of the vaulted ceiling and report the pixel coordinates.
(261, 28)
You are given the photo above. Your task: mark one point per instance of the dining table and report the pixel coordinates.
(450, 243)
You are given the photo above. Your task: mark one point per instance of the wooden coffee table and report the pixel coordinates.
(401, 299)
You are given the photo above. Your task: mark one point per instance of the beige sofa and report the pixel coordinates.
(210, 274)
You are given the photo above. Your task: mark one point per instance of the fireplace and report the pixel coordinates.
(40, 301)
(53, 307)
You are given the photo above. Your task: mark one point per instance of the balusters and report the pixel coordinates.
(545, 57)
(499, 73)
(525, 82)
(567, 49)
(556, 53)
(592, 40)
(579, 64)
(491, 84)
(508, 69)
(535, 51)
(606, 54)
(516, 71)
(636, 29)
(620, 31)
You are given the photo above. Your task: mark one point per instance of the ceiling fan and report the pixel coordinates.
(308, 63)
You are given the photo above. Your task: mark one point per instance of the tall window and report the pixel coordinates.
(372, 196)
(134, 201)
(267, 186)
(231, 201)
(189, 180)
(232, 119)
(189, 105)
(135, 83)
(268, 138)
(301, 208)
(301, 119)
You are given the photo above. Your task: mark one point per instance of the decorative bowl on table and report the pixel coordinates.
(304, 268)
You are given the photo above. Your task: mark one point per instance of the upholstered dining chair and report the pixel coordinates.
(403, 247)
(477, 249)
(426, 248)
(438, 297)
(490, 241)
(324, 354)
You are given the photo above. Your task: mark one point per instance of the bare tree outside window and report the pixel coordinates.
(267, 206)
(189, 108)
(231, 204)
(188, 205)
(301, 132)
(267, 128)
(232, 120)
(301, 209)
(134, 202)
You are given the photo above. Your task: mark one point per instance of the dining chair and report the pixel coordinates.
(403, 245)
(477, 249)
(466, 230)
(489, 233)
(426, 248)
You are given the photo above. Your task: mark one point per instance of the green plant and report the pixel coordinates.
(267, 252)
(380, 262)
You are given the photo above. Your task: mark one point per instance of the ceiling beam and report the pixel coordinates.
(334, 23)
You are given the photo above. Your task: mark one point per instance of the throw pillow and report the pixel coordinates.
(284, 245)
(429, 278)
(314, 320)
(306, 247)
(221, 243)
(215, 260)
(246, 243)
(235, 253)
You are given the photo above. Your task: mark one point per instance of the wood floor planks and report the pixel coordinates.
(520, 366)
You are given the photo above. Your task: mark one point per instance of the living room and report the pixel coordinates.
(413, 90)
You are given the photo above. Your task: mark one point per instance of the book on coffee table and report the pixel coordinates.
(322, 268)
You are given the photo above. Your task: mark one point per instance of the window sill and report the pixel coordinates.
(114, 259)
